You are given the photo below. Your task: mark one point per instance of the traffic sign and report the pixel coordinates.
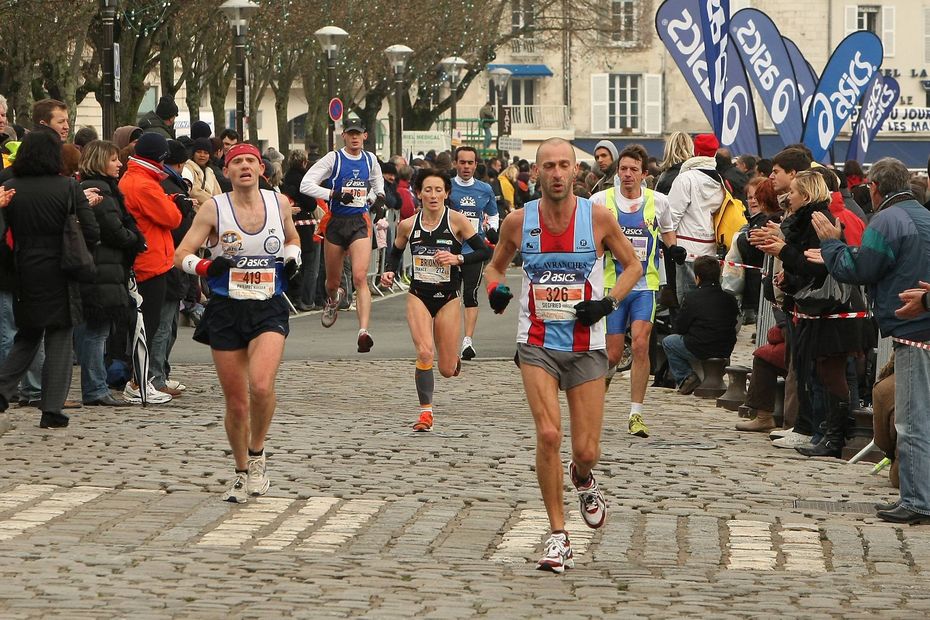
(335, 109)
(509, 143)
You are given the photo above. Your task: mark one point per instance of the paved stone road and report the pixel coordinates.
(119, 516)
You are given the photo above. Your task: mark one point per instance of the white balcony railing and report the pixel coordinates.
(528, 116)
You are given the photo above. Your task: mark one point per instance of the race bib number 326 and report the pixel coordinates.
(556, 301)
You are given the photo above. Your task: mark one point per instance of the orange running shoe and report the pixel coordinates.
(425, 423)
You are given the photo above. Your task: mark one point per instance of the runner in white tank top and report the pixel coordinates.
(246, 320)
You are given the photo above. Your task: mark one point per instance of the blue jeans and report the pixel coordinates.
(679, 357)
(90, 342)
(30, 388)
(912, 421)
(161, 344)
(487, 136)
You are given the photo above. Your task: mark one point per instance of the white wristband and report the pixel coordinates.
(291, 252)
(189, 264)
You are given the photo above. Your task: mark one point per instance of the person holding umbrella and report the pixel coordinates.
(254, 249)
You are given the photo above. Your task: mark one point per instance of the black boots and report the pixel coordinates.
(52, 419)
(834, 436)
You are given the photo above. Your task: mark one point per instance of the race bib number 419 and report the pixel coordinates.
(252, 277)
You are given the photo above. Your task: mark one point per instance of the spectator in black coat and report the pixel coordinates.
(705, 327)
(302, 288)
(105, 300)
(47, 303)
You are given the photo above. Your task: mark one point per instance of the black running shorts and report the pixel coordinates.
(342, 230)
(230, 324)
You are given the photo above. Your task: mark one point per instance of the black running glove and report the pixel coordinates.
(219, 266)
(677, 253)
(590, 312)
(499, 296)
(347, 198)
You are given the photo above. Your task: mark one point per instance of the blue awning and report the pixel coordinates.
(525, 71)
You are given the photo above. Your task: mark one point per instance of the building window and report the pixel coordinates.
(622, 21)
(522, 16)
(520, 92)
(867, 18)
(623, 91)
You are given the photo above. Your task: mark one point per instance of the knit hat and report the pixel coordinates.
(610, 146)
(273, 155)
(202, 144)
(166, 108)
(706, 145)
(152, 146)
(200, 129)
(177, 153)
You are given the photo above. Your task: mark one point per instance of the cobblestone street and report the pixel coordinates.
(120, 515)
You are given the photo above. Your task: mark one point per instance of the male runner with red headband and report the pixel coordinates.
(254, 250)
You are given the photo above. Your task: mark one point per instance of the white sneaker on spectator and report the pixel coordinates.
(793, 440)
(133, 394)
(778, 433)
(175, 385)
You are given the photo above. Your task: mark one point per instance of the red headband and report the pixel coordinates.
(243, 148)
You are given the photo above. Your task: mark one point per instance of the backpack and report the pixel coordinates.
(728, 220)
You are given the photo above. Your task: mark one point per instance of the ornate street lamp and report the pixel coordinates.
(500, 78)
(397, 56)
(453, 66)
(238, 13)
(109, 95)
(330, 38)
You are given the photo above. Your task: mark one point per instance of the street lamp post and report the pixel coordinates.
(238, 13)
(500, 78)
(453, 66)
(397, 56)
(330, 38)
(108, 16)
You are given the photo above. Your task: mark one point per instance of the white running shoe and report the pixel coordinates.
(793, 440)
(331, 308)
(558, 555)
(258, 482)
(152, 396)
(237, 493)
(468, 349)
(175, 385)
(590, 499)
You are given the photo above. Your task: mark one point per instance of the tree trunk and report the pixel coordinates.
(282, 97)
(219, 88)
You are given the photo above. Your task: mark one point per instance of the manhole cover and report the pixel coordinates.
(848, 507)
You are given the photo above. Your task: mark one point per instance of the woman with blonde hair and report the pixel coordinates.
(678, 148)
(508, 181)
(819, 347)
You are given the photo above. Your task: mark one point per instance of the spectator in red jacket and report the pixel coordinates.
(156, 215)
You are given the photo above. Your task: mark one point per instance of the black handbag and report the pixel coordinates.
(823, 299)
(76, 260)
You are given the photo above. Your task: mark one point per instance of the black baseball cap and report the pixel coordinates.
(353, 124)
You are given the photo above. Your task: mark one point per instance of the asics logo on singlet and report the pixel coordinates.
(636, 232)
(548, 276)
(467, 201)
(246, 262)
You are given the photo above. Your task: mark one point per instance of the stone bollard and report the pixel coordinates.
(712, 386)
(736, 388)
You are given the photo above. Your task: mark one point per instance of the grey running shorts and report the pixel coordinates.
(571, 368)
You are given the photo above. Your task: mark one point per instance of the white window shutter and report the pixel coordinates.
(600, 102)
(888, 30)
(652, 103)
(927, 35)
(852, 15)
